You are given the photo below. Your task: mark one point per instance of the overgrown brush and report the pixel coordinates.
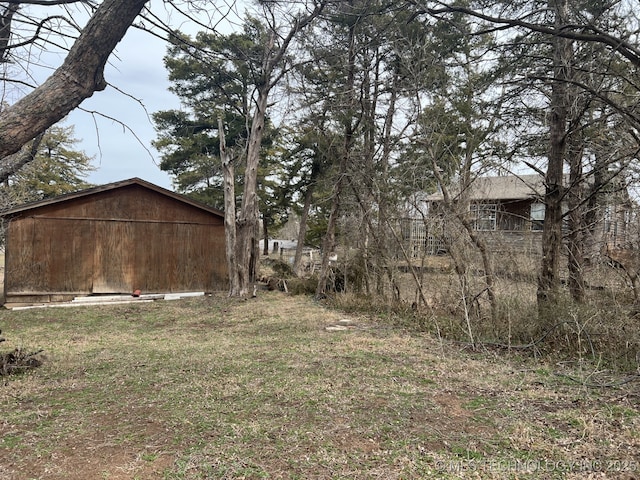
(18, 361)
(604, 329)
(303, 286)
(603, 334)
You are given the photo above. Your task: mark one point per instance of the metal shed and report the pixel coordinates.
(113, 239)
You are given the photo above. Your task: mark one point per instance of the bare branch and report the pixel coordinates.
(585, 33)
(47, 2)
(81, 74)
(15, 162)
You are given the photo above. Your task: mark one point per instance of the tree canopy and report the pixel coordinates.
(398, 98)
(57, 168)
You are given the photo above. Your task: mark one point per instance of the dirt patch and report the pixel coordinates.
(117, 446)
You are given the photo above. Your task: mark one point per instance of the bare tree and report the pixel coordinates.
(272, 71)
(80, 75)
(582, 32)
(567, 32)
(230, 209)
(6, 18)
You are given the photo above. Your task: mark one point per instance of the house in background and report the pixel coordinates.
(113, 239)
(510, 211)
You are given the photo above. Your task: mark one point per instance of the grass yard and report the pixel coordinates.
(224, 389)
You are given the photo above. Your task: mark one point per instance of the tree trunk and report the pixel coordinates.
(80, 75)
(576, 223)
(594, 210)
(248, 225)
(460, 209)
(329, 241)
(15, 162)
(302, 231)
(548, 279)
(6, 18)
(229, 211)
(265, 235)
(316, 168)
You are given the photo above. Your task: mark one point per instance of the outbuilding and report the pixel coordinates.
(113, 239)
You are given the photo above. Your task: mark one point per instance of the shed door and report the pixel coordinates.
(114, 257)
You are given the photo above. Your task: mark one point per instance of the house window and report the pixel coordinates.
(537, 216)
(484, 216)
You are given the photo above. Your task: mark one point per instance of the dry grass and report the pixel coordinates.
(222, 389)
(604, 327)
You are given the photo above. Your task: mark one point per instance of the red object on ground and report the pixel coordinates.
(136, 293)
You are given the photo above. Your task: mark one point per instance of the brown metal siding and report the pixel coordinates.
(115, 242)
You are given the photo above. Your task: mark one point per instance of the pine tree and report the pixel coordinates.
(57, 169)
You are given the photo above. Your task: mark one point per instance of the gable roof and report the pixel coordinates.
(511, 187)
(111, 186)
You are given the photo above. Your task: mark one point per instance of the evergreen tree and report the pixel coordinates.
(57, 168)
(232, 77)
(213, 76)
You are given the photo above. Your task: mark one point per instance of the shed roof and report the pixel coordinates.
(511, 187)
(107, 187)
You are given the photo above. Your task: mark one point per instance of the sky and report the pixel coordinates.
(119, 133)
(114, 126)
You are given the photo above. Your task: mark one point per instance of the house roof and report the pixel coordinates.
(111, 186)
(512, 187)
